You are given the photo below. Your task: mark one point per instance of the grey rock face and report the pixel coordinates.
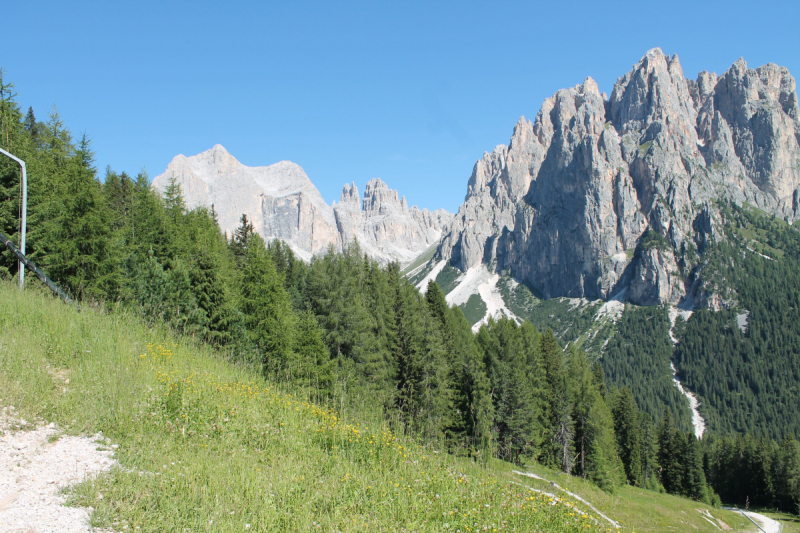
(656, 279)
(281, 202)
(566, 204)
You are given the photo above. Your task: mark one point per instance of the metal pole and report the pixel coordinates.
(24, 221)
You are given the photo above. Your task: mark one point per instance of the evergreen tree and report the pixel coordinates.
(649, 452)
(356, 327)
(594, 439)
(437, 305)
(269, 318)
(241, 239)
(517, 414)
(474, 409)
(602, 462)
(670, 454)
(314, 362)
(788, 482)
(424, 394)
(75, 237)
(31, 126)
(583, 394)
(560, 431)
(627, 430)
(694, 481)
(223, 324)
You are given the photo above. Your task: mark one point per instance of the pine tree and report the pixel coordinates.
(437, 305)
(31, 126)
(559, 453)
(670, 453)
(649, 452)
(694, 480)
(223, 323)
(241, 239)
(75, 239)
(316, 369)
(517, 414)
(269, 318)
(594, 439)
(423, 392)
(626, 428)
(788, 482)
(473, 406)
(583, 397)
(602, 462)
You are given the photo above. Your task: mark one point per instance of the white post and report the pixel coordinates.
(24, 221)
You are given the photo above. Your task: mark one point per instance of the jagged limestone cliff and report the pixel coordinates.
(604, 194)
(282, 203)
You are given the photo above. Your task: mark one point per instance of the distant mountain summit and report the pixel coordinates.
(601, 195)
(283, 203)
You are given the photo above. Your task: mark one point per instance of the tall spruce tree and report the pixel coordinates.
(269, 318)
(627, 430)
(694, 481)
(671, 444)
(314, 361)
(594, 441)
(516, 408)
(76, 236)
(558, 453)
(474, 410)
(649, 452)
(241, 239)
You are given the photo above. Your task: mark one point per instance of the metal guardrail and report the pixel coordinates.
(36, 270)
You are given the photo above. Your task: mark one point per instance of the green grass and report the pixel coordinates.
(474, 309)
(638, 509)
(421, 259)
(205, 445)
(447, 278)
(570, 322)
(755, 237)
(419, 276)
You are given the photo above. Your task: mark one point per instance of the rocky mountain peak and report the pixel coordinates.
(350, 196)
(379, 199)
(566, 205)
(281, 202)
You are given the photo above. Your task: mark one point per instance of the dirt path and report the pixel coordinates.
(571, 494)
(35, 464)
(765, 523)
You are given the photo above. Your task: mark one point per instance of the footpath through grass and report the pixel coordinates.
(637, 509)
(207, 446)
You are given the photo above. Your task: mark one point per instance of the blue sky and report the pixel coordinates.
(411, 92)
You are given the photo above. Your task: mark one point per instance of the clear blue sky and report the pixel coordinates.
(411, 92)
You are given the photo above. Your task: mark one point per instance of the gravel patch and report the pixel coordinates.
(36, 463)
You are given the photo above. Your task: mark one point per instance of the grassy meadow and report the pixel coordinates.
(206, 445)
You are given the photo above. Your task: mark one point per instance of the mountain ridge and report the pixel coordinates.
(282, 202)
(568, 203)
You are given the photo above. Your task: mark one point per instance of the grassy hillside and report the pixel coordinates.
(637, 509)
(207, 446)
